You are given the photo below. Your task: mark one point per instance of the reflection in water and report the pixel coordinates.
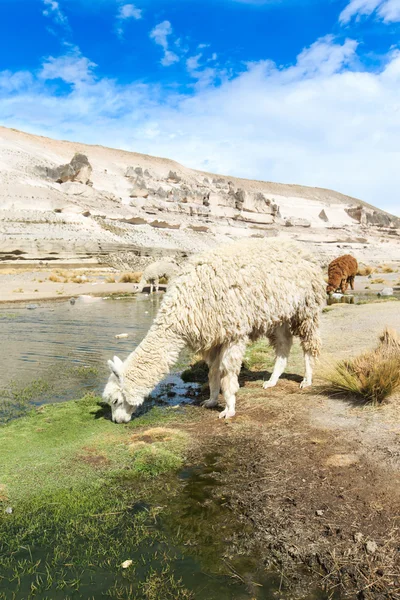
(340, 299)
(68, 346)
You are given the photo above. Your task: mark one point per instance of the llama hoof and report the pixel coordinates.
(268, 384)
(226, 414)
(305, 384)
(209, 403)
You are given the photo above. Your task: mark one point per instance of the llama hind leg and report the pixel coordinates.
(213, 359)
(281, 340)
(231, 362)
(311, 344)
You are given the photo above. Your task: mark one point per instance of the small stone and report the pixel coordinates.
(126, 564)
(387, 291)
(319, 513)
(32, 306)
(371, 547)
(72, 301)
(358, 537)
(9, 510)
(121, 336)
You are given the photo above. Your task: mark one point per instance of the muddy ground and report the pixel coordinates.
(316, 477)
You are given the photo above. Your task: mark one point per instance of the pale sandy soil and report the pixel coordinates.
(32, 284)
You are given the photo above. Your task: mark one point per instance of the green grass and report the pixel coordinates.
(72, 478)
(71, 444)
(87, 495)
(16, 400)
(259, 356)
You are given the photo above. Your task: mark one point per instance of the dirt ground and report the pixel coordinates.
(317, 478)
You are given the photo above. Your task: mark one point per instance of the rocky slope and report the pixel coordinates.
(69, 202)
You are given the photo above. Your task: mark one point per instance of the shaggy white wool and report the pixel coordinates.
(219, 301)
(154, 272)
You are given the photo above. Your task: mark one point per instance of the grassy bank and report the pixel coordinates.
(89, 509)
(71, 491)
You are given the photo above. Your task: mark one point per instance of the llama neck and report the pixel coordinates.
(151, 361)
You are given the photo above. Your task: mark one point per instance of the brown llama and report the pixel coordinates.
(341, 273)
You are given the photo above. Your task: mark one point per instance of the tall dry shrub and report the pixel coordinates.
(373, 376)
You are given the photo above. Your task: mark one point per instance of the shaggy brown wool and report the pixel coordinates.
(341, 273)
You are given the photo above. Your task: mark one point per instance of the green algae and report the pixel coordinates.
(80, 495)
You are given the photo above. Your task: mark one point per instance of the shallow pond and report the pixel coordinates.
(58, 351)
(361, 298)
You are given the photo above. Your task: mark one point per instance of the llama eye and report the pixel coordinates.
(115, 401)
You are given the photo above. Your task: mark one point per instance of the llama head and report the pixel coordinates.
(115, 395)
(330, 289)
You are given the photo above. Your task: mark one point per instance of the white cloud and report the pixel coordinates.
(192, 63)
(160, 35)
(387, 10)
(126, 12)
(320, 122)
(72, 68)
(53, 11)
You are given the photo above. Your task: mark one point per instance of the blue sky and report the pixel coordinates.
(283, 90)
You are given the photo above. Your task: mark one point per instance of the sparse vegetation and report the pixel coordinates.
(18, 291)
(372, 377)
(131, 277)
(111, 279)
(386, 269)
(378, 280)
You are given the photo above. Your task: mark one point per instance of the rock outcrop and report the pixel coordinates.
(138, 201)
(78, 169)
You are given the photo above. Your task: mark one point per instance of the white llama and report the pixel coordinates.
(154, 272)
(219, 301)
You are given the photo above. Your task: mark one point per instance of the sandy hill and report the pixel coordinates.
(114, 201)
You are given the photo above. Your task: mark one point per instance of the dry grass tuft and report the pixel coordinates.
(131, 277)
(111, 279)
(373, 376)
(378, 280)
(366, 270)
(386, 269)
(55, 278)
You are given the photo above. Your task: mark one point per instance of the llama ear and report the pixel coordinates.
(118, 363)
(115, 367)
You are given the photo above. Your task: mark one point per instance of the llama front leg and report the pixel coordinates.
(214, 377)
(231, 362)
(281, 340)
(351, 281)
(157, 283)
